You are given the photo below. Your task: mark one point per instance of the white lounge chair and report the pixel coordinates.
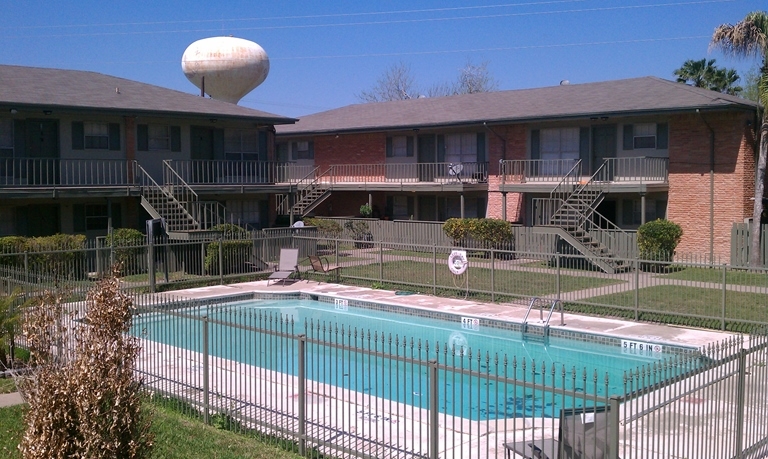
(288, 265)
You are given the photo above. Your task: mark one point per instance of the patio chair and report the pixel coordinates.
(321, 265)
(288, 265)
(583, 434)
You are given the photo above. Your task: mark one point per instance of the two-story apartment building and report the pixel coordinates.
(580, 157)
(80, 151)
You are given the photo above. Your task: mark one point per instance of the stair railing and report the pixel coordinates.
(160, 198)
(566, 185)
(302, 186)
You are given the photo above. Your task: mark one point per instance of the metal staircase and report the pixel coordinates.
(577, 218)
(177, 203)
(311, 191)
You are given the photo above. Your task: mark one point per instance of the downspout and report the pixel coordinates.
(711, 186)
(503, 158)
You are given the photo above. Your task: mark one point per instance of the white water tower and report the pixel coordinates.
(225, 68)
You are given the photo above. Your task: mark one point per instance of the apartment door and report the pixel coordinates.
(427, 157)
(41, 142)
(202, 153)
(603, 147)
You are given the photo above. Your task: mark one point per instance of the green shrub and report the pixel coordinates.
(657, 240)
(325, 228)
(492, 232)
(12, 245)
(127, 245)
(235, 251)
(60, 254)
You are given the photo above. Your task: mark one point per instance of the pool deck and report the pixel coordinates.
(513, 312)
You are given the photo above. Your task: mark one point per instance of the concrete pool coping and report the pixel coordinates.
(512, 312)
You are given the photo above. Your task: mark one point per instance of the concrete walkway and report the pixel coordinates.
(11, 399)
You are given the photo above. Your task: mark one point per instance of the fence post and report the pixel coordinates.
(302, 395)
(434, 440)
(206, 401)
(493, 276)
(221, 260)
(381, 261)
(722, 317)
(434, 269)
(613, 430)
(557, 278)
(151, 263)
(26, 270)
(637, 288)
(740, 389)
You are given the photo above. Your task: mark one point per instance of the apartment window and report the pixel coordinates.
(248, 212)
(303, 150)
(560, 143)
(241, 144)
(95, 136)
(6, 138)
(95, 217)
(632, 211)
(461, 148)
(159, 137)
(399, 146)
(646, 136)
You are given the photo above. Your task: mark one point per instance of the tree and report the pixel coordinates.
(751, 83)
(705, 74)
(749, 38)
(84, 398)
(397, 83)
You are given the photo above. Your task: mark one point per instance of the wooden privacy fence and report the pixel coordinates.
(740, 244)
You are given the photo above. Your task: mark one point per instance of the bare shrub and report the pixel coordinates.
(84, 399)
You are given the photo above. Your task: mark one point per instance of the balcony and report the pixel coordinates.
(66, 177)
(619, 175)
(408, 177)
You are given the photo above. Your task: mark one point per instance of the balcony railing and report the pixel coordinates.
(464, 172)
(214, 172)
(636, 170)
(54, 172)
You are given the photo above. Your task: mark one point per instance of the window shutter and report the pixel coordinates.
(441, 149)
(294, 150)
(142, 137)
(218, 144)
(584, 146)
(117, 217)
(114, 136)
(662, 136)
(390, 207)
(311, 146)
(482, 207)
(627, 212)
(409, 146)
(629, 137)
(175, 138)
(78, 218)
(481, 153)
(78, 135)
(535, 144)
(389, 147)
(262, 145)
(410, 206)
(19, 137)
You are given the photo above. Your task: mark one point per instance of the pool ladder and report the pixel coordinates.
(540, 329)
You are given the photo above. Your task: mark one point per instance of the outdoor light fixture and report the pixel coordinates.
(47, 112)
(13, 111)
(213, 120)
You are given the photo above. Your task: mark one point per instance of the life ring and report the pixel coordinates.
(457, 261)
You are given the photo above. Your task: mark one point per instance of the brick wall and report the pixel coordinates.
(505, 142)
(689, 179)
(364, 148)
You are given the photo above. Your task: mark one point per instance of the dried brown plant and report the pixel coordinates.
(84, 398)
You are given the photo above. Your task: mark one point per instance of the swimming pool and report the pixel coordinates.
(374, 351)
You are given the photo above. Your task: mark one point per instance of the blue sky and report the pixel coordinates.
(324, 53)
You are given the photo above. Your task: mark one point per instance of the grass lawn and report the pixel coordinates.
(683, 300)
(176, 436)
(732, 276)
(518, 282)
(7, 386)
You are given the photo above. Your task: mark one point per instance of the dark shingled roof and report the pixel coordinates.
(91, 91)
(610, 98)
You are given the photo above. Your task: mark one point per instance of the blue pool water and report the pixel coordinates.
(577, 367)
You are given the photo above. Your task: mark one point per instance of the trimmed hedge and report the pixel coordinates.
(657, 240)
(325, 228)
(58, 254)
(127, 244)
(493, 232)
(235, 246)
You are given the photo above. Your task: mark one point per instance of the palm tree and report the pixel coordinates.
(724, 80)
(698, 73)
(749, 38)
